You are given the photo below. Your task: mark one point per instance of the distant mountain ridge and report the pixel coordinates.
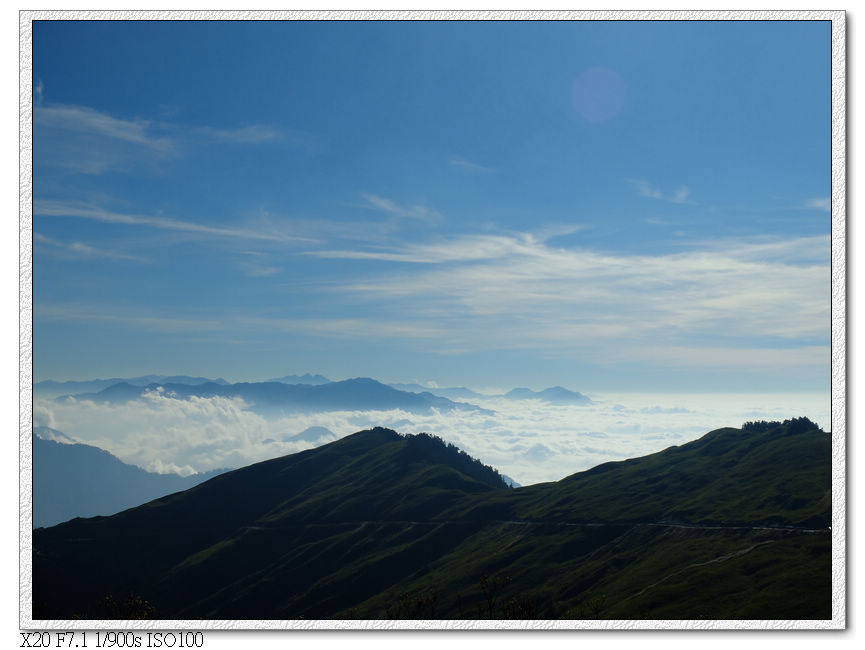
(314, 434)
(274, 397)
(451, 393)
(118, 390)
(306, 378)
(50, 388)
(46, 433)
(554, 395)
(378, 525)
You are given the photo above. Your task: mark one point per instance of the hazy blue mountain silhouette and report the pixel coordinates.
(47, 433)
(51, 388)
(276, 397)
(554, 395)
(306, 378)
(75, 480)
(451, 393)
(319, 435)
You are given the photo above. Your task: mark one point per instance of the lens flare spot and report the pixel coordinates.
(598, 94)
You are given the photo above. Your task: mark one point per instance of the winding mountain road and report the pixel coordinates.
(544, 523)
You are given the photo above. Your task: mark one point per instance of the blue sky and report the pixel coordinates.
(618, 205)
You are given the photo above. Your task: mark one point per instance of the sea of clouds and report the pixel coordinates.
(529, 440)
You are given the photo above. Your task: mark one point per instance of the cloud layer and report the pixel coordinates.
(518, 290)
(528, 440)
(55, 208)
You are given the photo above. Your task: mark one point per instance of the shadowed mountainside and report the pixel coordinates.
(75, 480)
(733, 525)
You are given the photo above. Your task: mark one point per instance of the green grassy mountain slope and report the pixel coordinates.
(381, 525)
(779, 476)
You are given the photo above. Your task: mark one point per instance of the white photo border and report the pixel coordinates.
(838, 340)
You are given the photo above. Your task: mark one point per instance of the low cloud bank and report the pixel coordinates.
(528, 440)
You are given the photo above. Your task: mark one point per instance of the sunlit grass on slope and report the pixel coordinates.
(728, 475)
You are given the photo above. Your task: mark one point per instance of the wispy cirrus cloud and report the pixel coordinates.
(813, 357)
(464, 249)
(517, 291)
(144, 319)
(681, 195)
(247, 134)
(649, 191)
(389, 206)
(462, 163)
(89, 141)
(819, 204)
(257, 265)
(747, 304)
(153, 134)
(348, 328)
(77, 249)
(237, 326)
(795, 251)
(88, 120)
(258, 271)
(257, 134)
(59, 208)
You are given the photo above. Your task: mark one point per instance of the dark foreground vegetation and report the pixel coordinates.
(378, 525)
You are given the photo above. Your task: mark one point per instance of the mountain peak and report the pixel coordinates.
(554, 395)
(376, 435)
(369, 381)
(305, 378)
